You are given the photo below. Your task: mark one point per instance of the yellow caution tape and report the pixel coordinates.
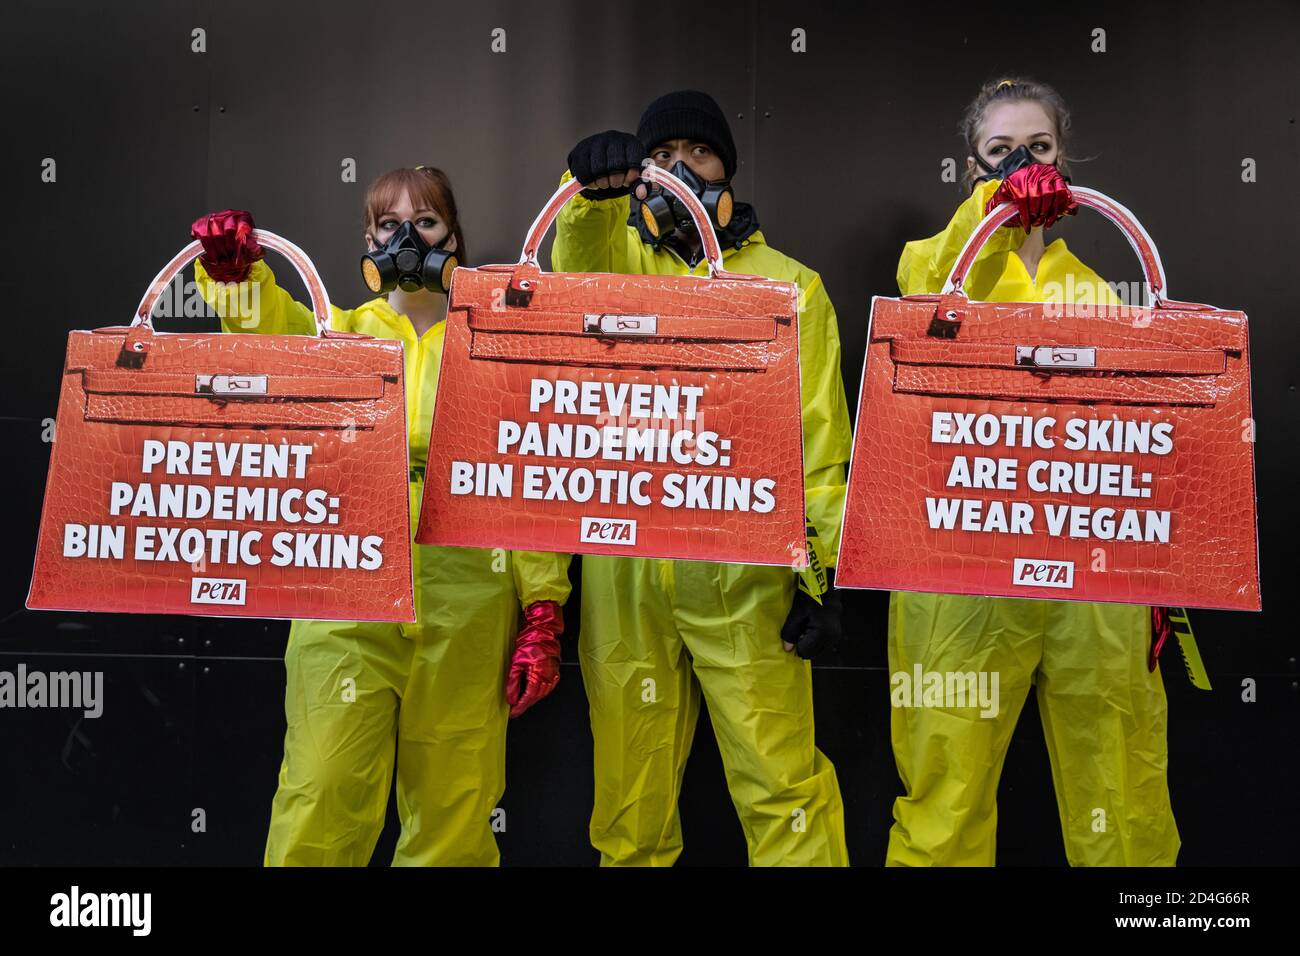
(812, 580)
(1196, 672)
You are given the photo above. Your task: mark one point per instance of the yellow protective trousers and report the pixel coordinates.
(656, 635)
(1104, 717)
(429, 697)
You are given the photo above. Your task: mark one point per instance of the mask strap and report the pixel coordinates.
(980, 160)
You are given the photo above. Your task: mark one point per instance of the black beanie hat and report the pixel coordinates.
(689, 114)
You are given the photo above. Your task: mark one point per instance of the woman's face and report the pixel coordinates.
(427, 223)
(1009, 125)
(700, 157)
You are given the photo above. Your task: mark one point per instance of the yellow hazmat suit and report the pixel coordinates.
(655, 634)
(1104, 714)
(427, 696)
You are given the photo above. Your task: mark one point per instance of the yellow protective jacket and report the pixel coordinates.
(594, 236)
(998, 274)
(538, 577)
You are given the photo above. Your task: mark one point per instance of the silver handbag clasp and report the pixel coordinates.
(607, 324)
(229, 384)
(1048, 356)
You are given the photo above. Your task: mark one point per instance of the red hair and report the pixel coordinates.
(426, 186)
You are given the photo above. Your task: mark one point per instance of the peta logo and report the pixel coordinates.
(218, 590)
(608, 530)
(1032, 572)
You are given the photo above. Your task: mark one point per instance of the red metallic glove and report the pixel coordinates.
(1039, 191)
(536, 661)
(229, 249)
(1161, 629)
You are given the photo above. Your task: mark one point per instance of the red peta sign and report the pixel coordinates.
(608, 531)
(1043, 574)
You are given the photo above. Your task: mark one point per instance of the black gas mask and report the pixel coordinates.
(408, 263)
(1018, 158)
(662, 213)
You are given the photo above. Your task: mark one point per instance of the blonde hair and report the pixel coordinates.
(1014, 90)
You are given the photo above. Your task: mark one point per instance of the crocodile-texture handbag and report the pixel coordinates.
(648, 415)
(1071, 451)
(228, 474)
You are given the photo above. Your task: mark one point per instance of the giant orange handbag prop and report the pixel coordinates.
(228, 474)
(656, 416)
(1052, 450)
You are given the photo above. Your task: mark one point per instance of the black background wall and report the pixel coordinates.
(841, 152)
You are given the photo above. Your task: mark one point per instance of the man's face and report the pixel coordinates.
(700, 157)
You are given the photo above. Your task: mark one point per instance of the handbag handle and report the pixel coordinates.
(650, 173)
(320, 303)
(1152, 270)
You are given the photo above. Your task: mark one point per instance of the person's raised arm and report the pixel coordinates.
(232, 258)
(591, 231)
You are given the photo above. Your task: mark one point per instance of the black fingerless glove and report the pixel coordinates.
(814, 629)
(604, 153)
